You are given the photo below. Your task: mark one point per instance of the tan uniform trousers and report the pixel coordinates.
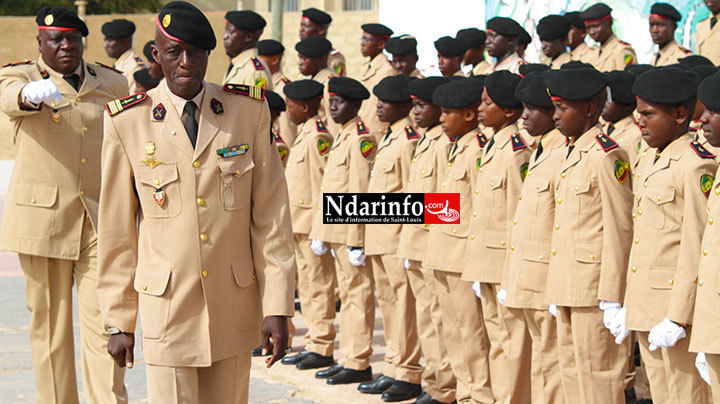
(438, 375)
(545, 370)
(713, 362)
(671, 372)
(225, 381)
(316, 289)
(397, 306)
(48, 295)
(593, 368)
(357, 313)
(465, 336)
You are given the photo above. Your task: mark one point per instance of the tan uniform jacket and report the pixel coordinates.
(560, 60)
(304, 172)
(480, 68)
(511, 63)
(669, 221)
(249, 69)
(416, 73)
(593, 231)
(501, 172)
(336, 62)
(614, 54)
(285, 127)
(208, 263)
(390, 174)
(423, 179)
(347, 171)
(669, 54)
(708, 40)
(458, 175)
(128, 63)
(373, 72)
(56, 178)
(526, 269)
(627, 134)
(582, 52)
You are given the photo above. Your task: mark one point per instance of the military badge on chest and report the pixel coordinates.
(152, 162)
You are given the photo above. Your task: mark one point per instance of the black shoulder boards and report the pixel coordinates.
(517, 142)
(701, 151)
(605, 142)
(482, 139)
(108, 67)
(410, 132)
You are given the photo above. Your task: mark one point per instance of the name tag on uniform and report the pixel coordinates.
(232, 151)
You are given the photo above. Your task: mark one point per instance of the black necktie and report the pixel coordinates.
(190, 123)
(713, 21)
(74, 80)
(229, 68)
(611, 129)
(570, 149)
(539, 150)
(490, 145)
(389, 131)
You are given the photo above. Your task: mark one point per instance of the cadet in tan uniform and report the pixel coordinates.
(196, 224)
(277, 106)
(669, 212)
(315, 22)
(663, 23)
(501, 172)
(271, 52)
(620, 123)
(579, 49)
(696, 131)
(553, 32)
(475, 53)
(404, 55)
(523, 42)
(242, 32)
(450, 54)
(118, 45)
(372, 43)
(54, 104)
(590, 242)
(312, 63)
(612, 53)
(348, 171)
(708, 33)
(503, 35)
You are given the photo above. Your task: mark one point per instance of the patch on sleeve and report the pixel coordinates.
(323, 146)
(114, 107)
(622, 170)
(628, 59)
(523, 171)
(706, 184)
(361, 128)
(256, 93)
(605, 142)
(482, 139)
(410, 132)
(283, 152)
(340, 70)
(366, 147)
(517, 142)
(320, 126)
(701, 151)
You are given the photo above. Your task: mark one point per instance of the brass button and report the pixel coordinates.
(492, 184)
(292, 149)
(577, 188)
(481, 169)
(711, 220)
(634, 215)
(477, 191)
(592, 257)
(384, 167)
(529, 173)
(636, 241)
(203, 236)
(33, 201)
(537, 186)
(78, 99)
(705, 251)
(502, 243)
(332, 152)
(559, 201)
(671, 282)
(520, 197)
(454, 177)
(322, 188)
(557, 226)
(540, 258)
(640, 212)
(196, 164)
(326, 170)
(444, 184)
(452, 231)
(633, 269)
(204, 274)
(337, 161)
(717, 191)
(563, 175)
(432, 225)
(301, 201)
(422, 172)
(472, 237)
(172, 132)
(474, 214)
(700, 282)
(83, 161)
(85, 129)
(658, 198)
(553, 251)
(82, 192)
(254, 277)
(425, 225)
(414, 160)
(157, 181)
(639, 174)
(515, 221)
(145, 287)
(200, 200)
(449, 164)
(644, 154)
(237, 172)
(512, 247)
(410, 180)
(645, 184)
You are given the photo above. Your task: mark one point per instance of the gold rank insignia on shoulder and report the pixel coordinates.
(114, 107)
(320, 126)
(150, 150)
(366, 147)
(24, 62)
(361, 128)
(216, 106)
(605, 142)
(482, 139)
(253, 92)
(91, 70)
(701, 151)
(410, 133)
(257, 64)
(518, 143)
(232, 151)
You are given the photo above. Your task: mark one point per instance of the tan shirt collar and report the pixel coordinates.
(179, 102)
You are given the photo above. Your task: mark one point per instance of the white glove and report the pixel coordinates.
(614, 320)
(476, 288)
(665, 335)
(501, 296)
(407, 263)
(553, 310)
(357, 257)
(41, 90)
(332, 252)
(702, 368)
(318, 247)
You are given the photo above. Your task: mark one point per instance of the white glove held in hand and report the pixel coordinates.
(614, 320)
(553, 310)
(41, 90)
(357, 257)
(665, 335)
(476, 288)
(501, 296)
(407, 263)
(702, 368)
(318, 247)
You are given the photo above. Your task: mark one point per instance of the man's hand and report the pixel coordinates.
(120, 347)
(41, 90)
(274, 327)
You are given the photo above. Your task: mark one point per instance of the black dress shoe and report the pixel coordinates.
(440, 402)
(347, 376)
(329, 372)
(258, 351)
(315, 361)
(644, 401)
(295, 359)
(423, 398)
(630, 396)
(377, 386)
(401, 391)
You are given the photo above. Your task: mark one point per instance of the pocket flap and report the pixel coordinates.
(159, 176)
(426, 172)
(387, 166)
(579, 186)
(152, 279)
(495, 239)
(661, 278)
(237, 165)
(661, 196)
(35, 194)
(542, 184)
(341, 159)
(493, 181)
(536, 252)
(244, 270)
(457, 174)
(588, 253)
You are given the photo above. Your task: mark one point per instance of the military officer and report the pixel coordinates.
(553, 32)
(620, 123)
(242, 33)
(503, 35)
(312, 62)
(315, 22)
(118, 45)
(450, 54)
(54, 104)
(277, 106)
(197, 235)
(708, 33)
(271, 52)
(378, 67)
(612, 53)
(663, 22)
(403, 49)
(475, 53)
(579, 49)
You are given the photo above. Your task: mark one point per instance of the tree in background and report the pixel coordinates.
(31, 7)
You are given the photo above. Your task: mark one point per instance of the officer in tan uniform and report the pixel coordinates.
(579, 49)
(372, 43)
(271, 52)
(54, 104)
(450, 54)
(503, 35)
(197, 233)
(708, 33)
(663, 22)
(669, 212)
(620, 123)
(590, 242)
(475, 53)
(612, 53)
(312, 62)
(315, 22)
(404, 55)
(553, 32)
(242, 32)
(118, 45)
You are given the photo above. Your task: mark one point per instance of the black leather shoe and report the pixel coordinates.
(630, 396)
(423, 398)
(440, 402)
(644, 401)
(329, 372)
(315, 361)
(295, 359)
(347, 376)
(401, 391)
(258, 351)
(377, 386)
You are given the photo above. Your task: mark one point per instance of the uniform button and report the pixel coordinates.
(301, 202)
(85, 129)
(481, 169)
(157, 181)
(237, 172)
(322, 188)
(492, 184)
(372, 174)
(410, 180)
(452, 231)
(577, 188)
(196, 164)
(515, 221)
(563, 175)
(82, 192)
(449, 164)
(474, 214)
(633, 215)
(444, 184)
(559, 201)
(78, 99)
(658, 198)
(553, 251)
(639, 174)
(520, 197)
(640, 212)
(204, 274)
(502, 243)
(384, 167)
(432, 225)
(337, 161)
(200, 200)
(172, 132)
(424, 225)
(644, 154)
(711, 220)
(537, 186)
(319, 206)
(83, 161)
(717, 191)
(671, 282)
(254, 277)
(292, 149)
(422, 172)
(529, 173)
(557, 226)
(477, 191)
(636, 241)
(633, 269)
(414, 160)
(145, 287)
(332, 152)
(454, 177)
(512, 247)
(472, 237)
(540, 257)
(203, 237)
(705, 251)
(33, 201)
(645, 184)
(700, 282)
(592, 257)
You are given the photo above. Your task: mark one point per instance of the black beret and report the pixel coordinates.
(313, 46)
(533, 90)
(598, 11)
(377, 29)
(576, 64)
(143, 77)
(458, 93)
(270, 47)
(181, 21)
(349, 88)
(704, 71)
(275, 101)
(679, 66)
(695, 60)
(316, 15)
(553, 27)
(478, 77)
(620, 83)
(638, 69)
(575, 20)
(51, 18)
(424, 88)
(450, 47)
(709, 92)
(500, 87)
(394, 88)
(525, 37)
(473, 37)
(528, 68)
(504, 26)
(147, 51)
(246, 20)
(666, 85)
(118, 28)
(304, 89)
(575, 84)
(401, 45)
(665, 10)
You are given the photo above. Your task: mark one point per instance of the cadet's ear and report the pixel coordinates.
(680, 114)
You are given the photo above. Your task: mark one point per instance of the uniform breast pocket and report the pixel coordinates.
(656, 206)
(340, 164)
(151, 283)
(661, 278)
(235, 181)
(60, 115)
(580, 195)
(491, 190)
(246, 294)
(159, 190)
(543, 195)
(425, 176)
(34, 213)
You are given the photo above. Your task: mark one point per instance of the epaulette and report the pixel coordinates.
(257, 64)
(114, 107)
(108, 67)
(521, 62)
(285, 80)
(623, 42)
(361, 128)
(256, 93)
(24, 62)
(605, 142)
(518, 143)
(320, 126)
(411, 133)
(685, 50)
(482, 139)
(91, 70)
(701, 151)
(277, 138)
